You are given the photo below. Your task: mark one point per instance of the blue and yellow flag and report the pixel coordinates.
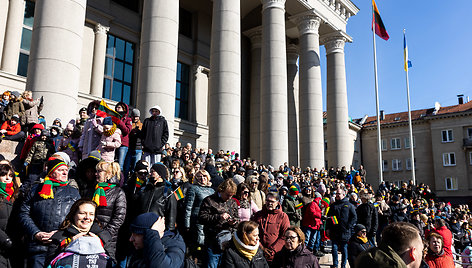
(406, 61)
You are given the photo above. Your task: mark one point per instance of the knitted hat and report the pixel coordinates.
(324, 202)
(135, 112)
(16, 94)
(46, 133)
(70, 126)
(294, 190)
(317, 194)
(15, 117)
(143, 222)
(64, 156)
(38, 126)
(161, 170)
(83, 109)
(358, 228)
(142, 165)
(54, 164)
(95, 155)
(107, 121)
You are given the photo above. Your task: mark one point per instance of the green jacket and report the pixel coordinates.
(289, 207)
(382, 256)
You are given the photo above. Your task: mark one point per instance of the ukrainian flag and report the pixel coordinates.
(406, 61)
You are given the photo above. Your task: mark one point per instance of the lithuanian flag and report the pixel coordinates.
(105, 111)
(334, 220)
(299, 206)
(178, 194)
(378, 24)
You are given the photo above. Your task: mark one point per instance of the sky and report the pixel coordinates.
(439, 44)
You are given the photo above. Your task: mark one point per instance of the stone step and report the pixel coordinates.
(11, 150)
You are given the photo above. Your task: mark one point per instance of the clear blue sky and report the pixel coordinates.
(439, 38)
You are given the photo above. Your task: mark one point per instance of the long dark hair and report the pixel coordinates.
(5, 169)
(69, 220)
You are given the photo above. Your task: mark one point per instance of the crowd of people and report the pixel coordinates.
(108, 190)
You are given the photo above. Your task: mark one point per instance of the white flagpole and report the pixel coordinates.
(379, 142)
(412, 153)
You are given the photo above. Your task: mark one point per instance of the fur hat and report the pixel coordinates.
(143, 222)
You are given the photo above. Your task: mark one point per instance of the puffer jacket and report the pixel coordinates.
(14, 107)
(312, 216)
(124, 125)
(272, 228)
(32, 110)
(381, 256)
(154, 134)
(158, 198)
(5, 242)
(301, 257)
(232, 258)
(90, 138)
(193, 200)
(210, 216)
(356, 247)
(367, 215)
(113, 215)
(289, 207)
(40, 152)
(45, 215)
(113, 142)
(346, 216)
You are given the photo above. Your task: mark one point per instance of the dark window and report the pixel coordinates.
(130, 4)
(119, 69)
(185, 23)
(26, 35)
(181, 91)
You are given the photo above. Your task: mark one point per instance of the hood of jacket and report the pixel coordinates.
(126, 108)
(86, 245)
(155, 107)
(382, 256)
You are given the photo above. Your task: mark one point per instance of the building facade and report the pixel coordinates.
(442, 142)
(239, 75)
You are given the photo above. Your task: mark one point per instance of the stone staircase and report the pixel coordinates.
(11, 150)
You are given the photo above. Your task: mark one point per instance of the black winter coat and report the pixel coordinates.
(159, 199)
(347, 217)
(367, 215)
(45, 215)
(216, 179)
(232, 258)
(154, 134)
(301, 257)
(5, 241)
(113, 215)
(355, 248)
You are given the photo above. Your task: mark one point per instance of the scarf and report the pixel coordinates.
(46, 191)
(363, 239)
(246, 250)
(99, 196)
(244, 204)
(6, 190)
(110, 132)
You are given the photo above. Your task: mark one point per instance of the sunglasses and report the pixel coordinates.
(142, 173)
(245, 192)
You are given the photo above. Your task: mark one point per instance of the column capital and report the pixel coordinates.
(255, 34)
(307, 23)
(200, 69)
(334, 43)
(292, 54)
(100, 29)
(273, 4)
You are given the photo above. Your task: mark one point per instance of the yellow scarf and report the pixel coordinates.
(363, 239)
(247, 251)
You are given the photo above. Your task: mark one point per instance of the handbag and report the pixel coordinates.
(222, 238)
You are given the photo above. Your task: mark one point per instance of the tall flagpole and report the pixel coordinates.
(379, 143)
(412, 153)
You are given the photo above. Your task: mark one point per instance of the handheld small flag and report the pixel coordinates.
(105, 111)
(334, 220)
(299, 206)
(327, 210)
(376, 204)
(178, 194)
(377, 23)
(406, 62)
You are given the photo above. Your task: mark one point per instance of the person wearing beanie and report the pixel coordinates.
(69, 144)
(90, 139)
(154, 135)
(311, 226)
(357, 244)
(157, 196)
(11, 129)
(135, 148)
(44, 208)
(83, 116)
(110, 140)
(39, 153)
(34, 135)
(292, 206)
(153, 244)
(367, 215)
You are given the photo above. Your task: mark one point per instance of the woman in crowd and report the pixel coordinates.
(8, 192)
(436, 256)
(357, 244)
(79, 222)
(32, 108)
(246, 206)
(295, 254)
(244, 251)
(110, 200)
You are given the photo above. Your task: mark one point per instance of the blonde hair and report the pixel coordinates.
(184, 175)
(111, 168)
(204, 173)
(26, 93)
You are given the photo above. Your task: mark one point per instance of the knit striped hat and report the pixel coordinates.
(324, 202)
(294, 190)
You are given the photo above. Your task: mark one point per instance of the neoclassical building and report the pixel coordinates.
(238, 75)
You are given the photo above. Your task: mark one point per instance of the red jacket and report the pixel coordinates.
(447, 237)
(29, 142)
(312, 217)
(125, 126)
(439, 261)
(11, 129)
(272, 227)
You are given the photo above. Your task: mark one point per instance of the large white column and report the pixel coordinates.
(311, 99)
(292, 104)
(13, 31)
(224, 116)
(337, 109)
(158, 59)
(3, 24)
(274, 111)
(55, 56)
(255, 108)
(98, 64)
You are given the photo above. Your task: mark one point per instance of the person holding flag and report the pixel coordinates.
(292, 206)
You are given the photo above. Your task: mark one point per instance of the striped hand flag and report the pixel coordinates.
(334, 220)
(178, 194)
(299, 206)
(406, 62)
(105, 111)
(377, 23)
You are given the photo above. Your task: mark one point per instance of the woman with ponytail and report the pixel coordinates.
(110, 200)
